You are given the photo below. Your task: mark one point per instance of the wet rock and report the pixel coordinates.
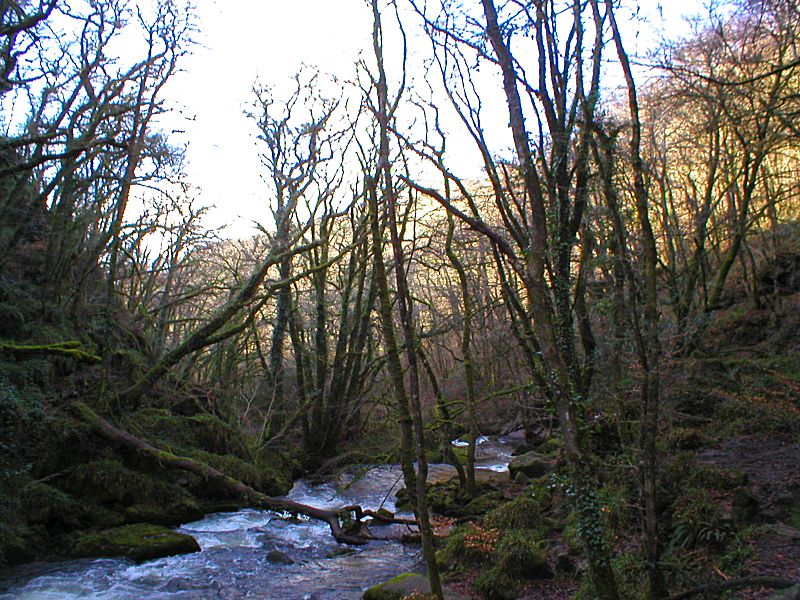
(136, 542)
(782, 530)
(279, 558)
(337, 552)
(523, 448)
(531, 464)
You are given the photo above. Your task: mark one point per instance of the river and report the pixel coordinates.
(234, 560)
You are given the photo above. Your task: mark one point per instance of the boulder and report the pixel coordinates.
(404, 585)
(531, 464)
(399, 587)
(279, 558)
(136, 542)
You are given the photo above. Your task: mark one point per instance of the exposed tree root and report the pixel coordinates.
(257, 499)
(735, 584)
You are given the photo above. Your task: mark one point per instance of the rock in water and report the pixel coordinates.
(279, 558)
(136, 542)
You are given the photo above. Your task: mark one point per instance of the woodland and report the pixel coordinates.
(619, 283)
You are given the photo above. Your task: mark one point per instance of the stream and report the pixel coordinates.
(233, 562)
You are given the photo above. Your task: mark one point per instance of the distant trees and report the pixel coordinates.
(78, 122)
(627, 216)
(722, 142)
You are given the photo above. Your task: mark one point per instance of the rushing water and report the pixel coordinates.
(234, 561)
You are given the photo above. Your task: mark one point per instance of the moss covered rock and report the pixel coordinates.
(530, 464)
(108, 481)
(43, 504)
(399, 587)
(467, 545)
(136, 542)
(182, 510)
(519, 555)
(449, 499)
(523, 512)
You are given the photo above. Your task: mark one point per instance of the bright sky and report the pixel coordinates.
(242, 41)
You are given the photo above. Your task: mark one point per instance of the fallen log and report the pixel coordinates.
(254, 497)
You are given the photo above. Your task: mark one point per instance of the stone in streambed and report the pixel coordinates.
(279, 558)
(338, 552)
(137, 542)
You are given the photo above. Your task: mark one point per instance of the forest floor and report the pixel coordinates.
(772, 465)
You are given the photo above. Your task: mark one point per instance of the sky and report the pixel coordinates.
(244, 41)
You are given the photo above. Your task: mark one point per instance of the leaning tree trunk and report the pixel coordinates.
(238, 488)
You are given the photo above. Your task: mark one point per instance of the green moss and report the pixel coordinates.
(794, 516)
(214, 435)
(14, 545)
(69, 349)
(523, 512)
(494, 584)
(631, 577)
(182, 510)
(42, 504)
(160, 427)
(136, 542)
(448, 498)
(108, 481)
(551, 446)
(235, 468)
(398, 587)
(519, 555)
(467, 545)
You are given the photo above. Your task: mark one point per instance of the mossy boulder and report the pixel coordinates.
(182, 510)
(399, 587)
(467, 545)
(14, 543)
(108, 481)
(530, 464)
(523, 512)
(43, 504)
(135, 542)
(552, 445)
(519, 554)
(449, 499)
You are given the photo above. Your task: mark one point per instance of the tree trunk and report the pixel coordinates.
(238, 488)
